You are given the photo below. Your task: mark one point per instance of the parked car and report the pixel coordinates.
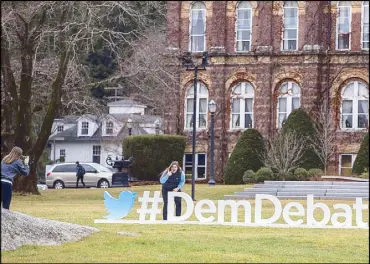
(63, 175)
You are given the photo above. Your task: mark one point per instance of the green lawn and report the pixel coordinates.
(182, 243)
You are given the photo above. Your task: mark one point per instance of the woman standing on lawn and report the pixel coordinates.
(172, 179)
(11, 165)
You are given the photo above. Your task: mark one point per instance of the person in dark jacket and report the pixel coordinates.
(12, 164)
(172, 180)
(80, 172)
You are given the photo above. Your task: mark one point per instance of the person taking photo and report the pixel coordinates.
(172, 180)
(11, 165)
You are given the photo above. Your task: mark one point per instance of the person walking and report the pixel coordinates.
(11, 165)
(172, 180)
(80, 172)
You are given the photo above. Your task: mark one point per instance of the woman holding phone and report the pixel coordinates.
(11, 165)
(172, 180)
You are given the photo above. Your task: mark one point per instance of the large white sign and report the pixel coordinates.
(343, 216)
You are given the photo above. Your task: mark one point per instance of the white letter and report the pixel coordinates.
(171, 203)
(359, 206)
(311, 221)
(199, 210)
(234, 205)
(287, 213)
(347, 214)
(258, 209)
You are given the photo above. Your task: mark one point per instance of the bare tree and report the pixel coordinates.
(284, 152)
(323, 142)
(57, 34)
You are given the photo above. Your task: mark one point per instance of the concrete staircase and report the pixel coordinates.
(298, 190)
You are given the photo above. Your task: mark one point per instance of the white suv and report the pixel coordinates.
(63, 175)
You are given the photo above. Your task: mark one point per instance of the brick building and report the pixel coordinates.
(265, 60)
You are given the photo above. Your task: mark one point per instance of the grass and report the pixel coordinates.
(181, 243)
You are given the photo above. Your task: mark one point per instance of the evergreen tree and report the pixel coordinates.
(246, 156)
(362, 159)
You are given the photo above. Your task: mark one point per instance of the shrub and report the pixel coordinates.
(365, 174)
(315, 174)
(291, 177)
(153, 153)
(301, 174)
(362, 159)
(246, 156)
(264, 174)
(249, 177)
(300, 122)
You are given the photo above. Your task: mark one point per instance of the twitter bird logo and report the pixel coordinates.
(119, 208)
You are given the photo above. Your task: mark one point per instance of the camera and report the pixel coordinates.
(120, 164)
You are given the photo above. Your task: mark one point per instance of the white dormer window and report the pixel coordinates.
(109, 128)
(60, 128)
(85, 128)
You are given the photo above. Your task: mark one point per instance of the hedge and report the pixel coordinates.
(245, 156)
(300, 122)
(362, 159)
(153, 153)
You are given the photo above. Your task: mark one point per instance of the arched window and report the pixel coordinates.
(355, 106)
(202, 106)
(290, 34)
(198, 27)
(365, 24)
(288, 100)
(242, 106)
(244, 26)
(343, 25)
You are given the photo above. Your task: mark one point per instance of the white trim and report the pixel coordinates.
(190, 26)
(337, 27)
(243, 96)
(6, 180)
(282, 36)
(354, 100)
(289, 97)
(236, 28)
(197, 165)
(362, 23)
(199, 84)
(353, 158)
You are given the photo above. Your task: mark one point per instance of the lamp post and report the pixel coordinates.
(188, 63)
(129, 126)
(212, 110)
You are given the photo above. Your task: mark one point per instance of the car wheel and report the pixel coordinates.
(103, 184)
(58, 185)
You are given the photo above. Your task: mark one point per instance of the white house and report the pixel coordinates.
(92, 138)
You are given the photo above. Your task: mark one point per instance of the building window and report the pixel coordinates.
(200, 165)
(85, 128)
(365, 25)
(355, 106)
(198, 27)
(346, 162)
(96, 154)
(109, 128)
(242, 106)
(290, 18)
(62, 155)
(343, 25)
(202, 106)
(60, 128)
(288, 100)
(244, 26)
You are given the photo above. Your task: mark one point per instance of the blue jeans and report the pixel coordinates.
(6, 194)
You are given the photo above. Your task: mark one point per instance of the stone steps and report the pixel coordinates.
(300, 189)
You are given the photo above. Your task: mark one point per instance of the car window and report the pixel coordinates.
(102, 168)
(88, 168)
(65, 168)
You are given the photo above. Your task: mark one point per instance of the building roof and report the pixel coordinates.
(126, 102)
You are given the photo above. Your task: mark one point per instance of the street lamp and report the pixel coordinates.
(212, 110)
(190, 65)
(157, 124)
(129, 126)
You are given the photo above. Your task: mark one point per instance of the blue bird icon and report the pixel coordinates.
(119, 208)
